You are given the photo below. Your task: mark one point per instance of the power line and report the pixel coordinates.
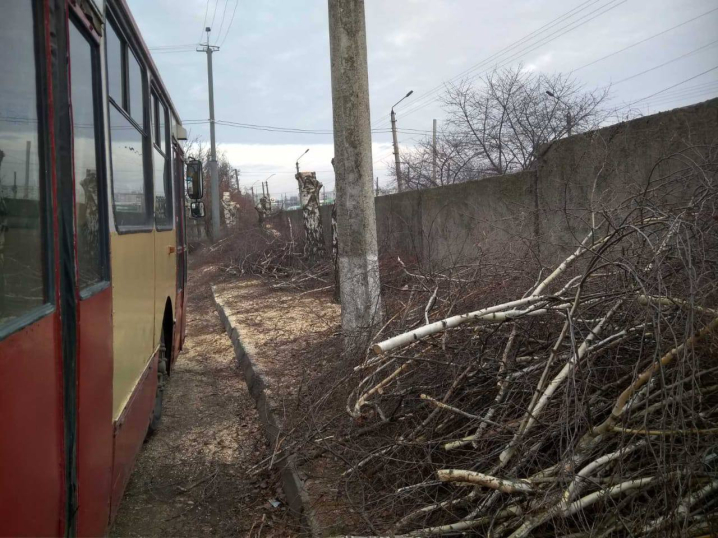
(669, 88)
(204, 24)
(230, 23)
(175, 51)
(221, 24)
(681, 95)
(411, 110)
(666, 63)
(509, 47)
(163, 47)
(214, 14)
(530, 48)
(646, 39)
(293, 130)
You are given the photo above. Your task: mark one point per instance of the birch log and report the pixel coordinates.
(449, 323)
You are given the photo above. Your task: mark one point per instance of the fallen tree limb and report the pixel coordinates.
(472, 477)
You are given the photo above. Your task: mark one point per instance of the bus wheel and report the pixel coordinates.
(162, 378)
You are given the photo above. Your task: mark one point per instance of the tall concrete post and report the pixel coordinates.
(213, 172)
(433, 150)
(356, 217)
(397, 159)
(27, 170)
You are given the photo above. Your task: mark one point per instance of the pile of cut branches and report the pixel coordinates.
(584, 404)
(269, 254)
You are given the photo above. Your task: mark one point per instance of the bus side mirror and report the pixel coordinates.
(195, 187)
(196, 210)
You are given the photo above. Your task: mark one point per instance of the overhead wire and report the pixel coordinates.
(645, 40)
(605, 8)
(572, 25)
(413, 107)
(204, 24)
(214, 14)
(295, 130)
(231, 20)
(682, 95)
(682, 56)
(509, 47)
(221, 24)
(633, 103)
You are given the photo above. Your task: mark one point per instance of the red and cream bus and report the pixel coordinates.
(92, 260)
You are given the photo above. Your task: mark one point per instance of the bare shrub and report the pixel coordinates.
(580, 400)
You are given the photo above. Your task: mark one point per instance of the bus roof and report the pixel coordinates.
(122, 11)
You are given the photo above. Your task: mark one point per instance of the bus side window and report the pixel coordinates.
(132, 201)
(89, 214)
(162, 179)
(23, 262)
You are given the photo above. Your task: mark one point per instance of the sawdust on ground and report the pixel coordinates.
(294, 338)
(195, 476)
(282, 327)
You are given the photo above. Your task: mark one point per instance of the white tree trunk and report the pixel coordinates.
(263, 209)
(309, 188)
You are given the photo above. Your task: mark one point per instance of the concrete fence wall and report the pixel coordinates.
(545, 210)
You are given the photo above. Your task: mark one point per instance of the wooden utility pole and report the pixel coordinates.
(356, 217)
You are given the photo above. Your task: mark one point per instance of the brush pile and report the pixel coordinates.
(583, 404)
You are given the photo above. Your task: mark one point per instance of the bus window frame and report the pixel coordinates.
(127, 47)
(43, 91)
(85, 27)
(157, 107)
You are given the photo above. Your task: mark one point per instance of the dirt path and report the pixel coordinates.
(192, 478)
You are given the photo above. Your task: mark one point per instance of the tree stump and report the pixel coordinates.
(309, 188)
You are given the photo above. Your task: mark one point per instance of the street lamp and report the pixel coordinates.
(569, 119)
(302, 155)
(263, 182)
(396, 143)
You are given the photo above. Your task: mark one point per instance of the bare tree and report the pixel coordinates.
(458, 160)
(197, 148)
(514, 112)
(499, 125)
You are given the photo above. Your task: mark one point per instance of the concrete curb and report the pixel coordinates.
(271, 420)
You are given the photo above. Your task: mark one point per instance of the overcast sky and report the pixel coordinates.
(273, 67)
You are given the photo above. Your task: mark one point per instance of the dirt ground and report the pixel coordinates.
(294, 339)
(195, 476)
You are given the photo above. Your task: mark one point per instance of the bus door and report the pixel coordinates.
(35, 448)
(179, 183)
(93, 291)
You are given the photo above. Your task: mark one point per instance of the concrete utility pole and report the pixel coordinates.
(236, 178)
(213, 173)
(569, 119)
(27, 170)
(297, 165)
(433, 147)
(396, 143)
(358, 251)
